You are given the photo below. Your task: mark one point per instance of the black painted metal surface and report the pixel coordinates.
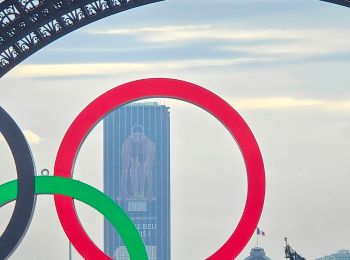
(25, 202)
(339, 2)
(26, 26)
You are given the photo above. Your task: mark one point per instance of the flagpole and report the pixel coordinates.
(70, 250)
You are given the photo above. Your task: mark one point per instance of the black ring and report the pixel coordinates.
(45, 172)
(25, 202)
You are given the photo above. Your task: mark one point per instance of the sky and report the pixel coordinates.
(283, 65)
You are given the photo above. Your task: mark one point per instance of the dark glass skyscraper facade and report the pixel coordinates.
(137, 175)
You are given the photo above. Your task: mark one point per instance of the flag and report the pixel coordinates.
(260, 232)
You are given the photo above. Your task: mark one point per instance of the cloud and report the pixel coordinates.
(262, 41)
(150, 48)
(289, 102)
(67, 70)
(279, 103)
(196, 33)
(32, 138)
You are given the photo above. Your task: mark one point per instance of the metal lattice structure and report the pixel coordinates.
(339, 2)
(29, 25)
(26, 26)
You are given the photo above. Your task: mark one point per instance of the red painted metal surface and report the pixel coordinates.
(171, 88)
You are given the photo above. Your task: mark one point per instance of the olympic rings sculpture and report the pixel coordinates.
(66, 189)
(25, 202)
(90, 196)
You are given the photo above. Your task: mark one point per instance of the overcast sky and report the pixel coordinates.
(282, 64)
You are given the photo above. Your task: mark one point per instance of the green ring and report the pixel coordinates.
(90, 196)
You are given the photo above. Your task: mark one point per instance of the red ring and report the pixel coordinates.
(170, 88)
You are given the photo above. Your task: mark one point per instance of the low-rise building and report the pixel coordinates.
(257, 253)
(340, 255)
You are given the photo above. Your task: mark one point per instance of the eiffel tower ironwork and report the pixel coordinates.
(26, 26)
(339, 2)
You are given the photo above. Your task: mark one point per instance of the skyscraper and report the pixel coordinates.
(137, 175)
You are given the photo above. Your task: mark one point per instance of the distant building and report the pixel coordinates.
(340, 255)
(257, 253)
(137, 175)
